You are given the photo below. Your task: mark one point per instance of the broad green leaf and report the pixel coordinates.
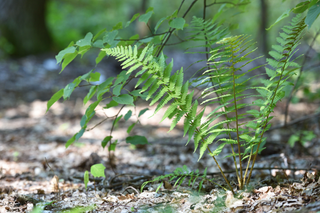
(112, 146)
(80, 133)
(105, 141)
(98, 44)
(86, 76)
(312, 14)
(109, 37)
(56, 96)
(70, 141)
(86, 41)
(137, 139)
(83, 50)
(112, 103)
(293, 139)
(98, 34)
(117, 26)
(177, 23)
(86, 179)
(283, 15)
(68, 58)
(142, 111)
(127, 115)
(62, 53)
(91, 108)
(101, 55)
(130, 128)
(123, 99)
(115, 122)
(132, 39)
(301, 7)
(90, 94)
(97, 170)
(104, 87)
(94, 77)
(145, 17)
(68, 90)
(134, 17)
(159, 23)
(117, 90)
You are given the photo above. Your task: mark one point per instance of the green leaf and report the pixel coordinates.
(101, 55)
(90, 94)
(117, 26)
(105, 141)
(104, 87)
(68, 58)
(94, 77)
(62, 53)
(91, 108)
(86, 76)
(97, 170)
(134, 17)
(80, 133)
(112, 146)
(292, 140)
(142, 111)
(145, 17)
(99, 33)
(283, 15)
(83, 50)
(130, 128)
(177, 23)
(56, 96)
(86, 41)
(98, 44)
(127, 115)
(123, 99)
(86, 179)
(312, 14)
(117, 90)
(137, 139)
(159, 23)
(70, 141)
(301, 7)
(112, 103)
(109, 38)
(68, 90)
(115, 122)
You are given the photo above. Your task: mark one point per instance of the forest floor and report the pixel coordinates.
(37, 170)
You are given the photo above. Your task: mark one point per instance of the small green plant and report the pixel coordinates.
(242, 107)
(179, 175)
(301, 136)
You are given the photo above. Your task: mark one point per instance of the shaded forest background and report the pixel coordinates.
(38, 26)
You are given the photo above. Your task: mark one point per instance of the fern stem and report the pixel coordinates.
(248, 165)
(225, 178)
(237, 121)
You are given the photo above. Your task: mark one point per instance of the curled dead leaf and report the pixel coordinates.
(55, 183)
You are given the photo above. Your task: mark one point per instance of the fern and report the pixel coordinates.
(223, 83)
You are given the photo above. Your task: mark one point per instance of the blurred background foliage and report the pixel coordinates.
(70, 20)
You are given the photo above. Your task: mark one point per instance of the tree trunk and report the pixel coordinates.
(23, 24)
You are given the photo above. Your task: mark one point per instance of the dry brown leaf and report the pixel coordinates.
(126, 197)
(55, 183)
(167, 185)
